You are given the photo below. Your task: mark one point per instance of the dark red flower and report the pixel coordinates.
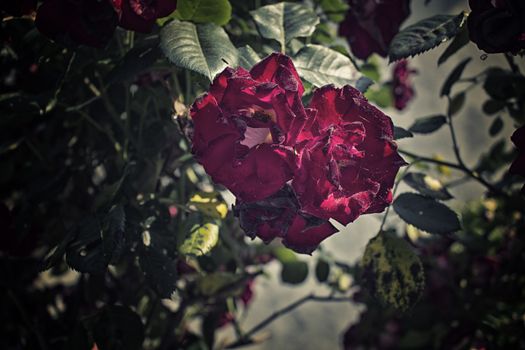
(18, 7)
(401, 84)
(85, 22)
(279, 216)
(246, 126)
(370, 25)
(140, 15)
(497, 25)
(518, 166)
(347, 157)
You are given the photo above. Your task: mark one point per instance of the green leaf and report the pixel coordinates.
(424, 35)
(426, 214)
(392, 271)
(284, 255)
(335, 10)
(400, 133)
(493, 106)
(459, 41)
(204, 11)
(321, 66)
(427, 185)
(247, 57)
(201, 240)
(428, 125)
(285, 21)
(322, 270)
(496, 126)
(160, 271)
(203, 48)
(456, 103)
(96, 242)
(381, 95)
(218, 282)
(454, 76)
(118, 328)
(210, 204)
(294, 272)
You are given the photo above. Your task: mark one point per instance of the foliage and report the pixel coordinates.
(114, 236)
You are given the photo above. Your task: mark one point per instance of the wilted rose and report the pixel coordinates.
(497, 25)
(370, 25)
(518, 166)
(347, 158)
(140, 15)
(279, 216)
(401, 85)
(85, 22)
(246, 126)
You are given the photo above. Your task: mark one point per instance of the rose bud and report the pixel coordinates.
(518, 166)
(347, 158)
(245, 127)
(279, 216)
(84, 22)
(401, 84)
(497, 25)
(140, 15)
(370, 25)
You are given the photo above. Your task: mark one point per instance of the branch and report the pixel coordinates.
(246, 340)
(474, 175)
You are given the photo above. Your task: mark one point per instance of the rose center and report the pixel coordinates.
(256, 136)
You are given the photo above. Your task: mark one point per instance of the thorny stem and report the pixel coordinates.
(310, 297)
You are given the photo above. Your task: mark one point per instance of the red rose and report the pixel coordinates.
(85, 22)
(140, 15)
(518, 166)
(370, 25)
(279, 216)
(401, 84)
(348, 160)
(497, 25)
(246, 126)
(18, 7)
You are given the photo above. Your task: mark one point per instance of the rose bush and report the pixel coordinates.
(370, 25)
(497, 26)
(140, 15)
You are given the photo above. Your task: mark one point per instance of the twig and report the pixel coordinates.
(310, 297)
(474, 175)
(394, 190)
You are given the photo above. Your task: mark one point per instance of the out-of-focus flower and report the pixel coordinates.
(370, 25)
(85, 22)
(401, 85)
(347, 158)
(140, 15)
(497, 25)
(518, 166)
(246, 126)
